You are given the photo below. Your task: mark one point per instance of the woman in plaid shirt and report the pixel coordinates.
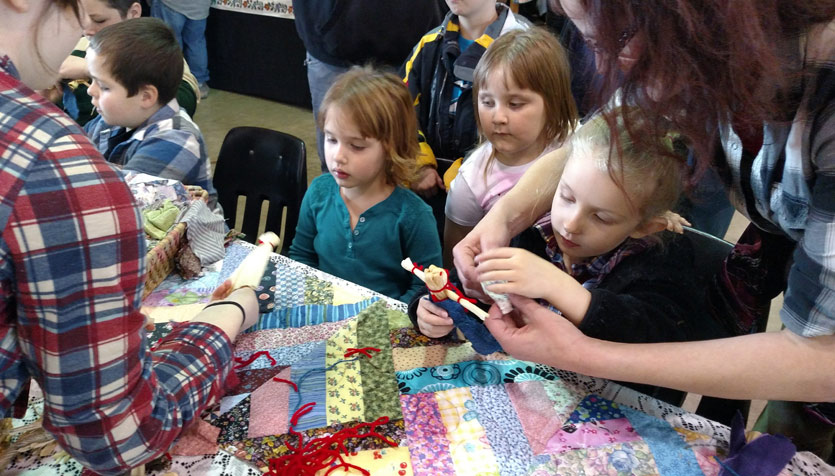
(71, 274)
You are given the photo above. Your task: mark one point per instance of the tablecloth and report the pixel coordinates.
(449, 410)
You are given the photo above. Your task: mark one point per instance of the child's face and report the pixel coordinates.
(465, 8)
(99, 15)
(590, 215)
(111, 98)
(356, 162)
(511, 118)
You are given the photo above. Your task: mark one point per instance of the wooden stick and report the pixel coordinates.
(251, 269)
(445, 293)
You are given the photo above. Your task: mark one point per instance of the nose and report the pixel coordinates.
(499, 115)
(93, 89)
(573, 223)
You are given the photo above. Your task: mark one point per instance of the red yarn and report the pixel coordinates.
(243, 363)
(366, 351)
(288, 382)
(324, 452)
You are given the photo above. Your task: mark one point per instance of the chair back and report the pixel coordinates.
(262, 165)
(710, 253)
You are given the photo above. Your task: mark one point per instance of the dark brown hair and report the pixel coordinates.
(141, 52)
(711, 60)
(381, 107)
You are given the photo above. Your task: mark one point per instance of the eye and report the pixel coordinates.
(516, 104)
(601, 219)
(566, 198)
(330, 139)
(357, 147)
(487, 102)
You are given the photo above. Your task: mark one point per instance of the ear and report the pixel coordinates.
(148, 96)
(135, 11)
(651, 226)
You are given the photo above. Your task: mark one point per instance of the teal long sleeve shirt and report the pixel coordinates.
(401, 225)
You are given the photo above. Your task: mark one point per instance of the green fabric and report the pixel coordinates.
(159, 220)
(382, 397)
(186, 98)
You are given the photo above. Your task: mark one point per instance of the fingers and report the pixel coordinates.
(222, 291)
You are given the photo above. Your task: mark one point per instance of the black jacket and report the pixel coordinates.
(348, 32)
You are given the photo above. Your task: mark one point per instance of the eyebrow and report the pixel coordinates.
(596, 209)
(329, 132)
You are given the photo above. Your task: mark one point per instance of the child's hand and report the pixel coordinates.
(433, 321)
(525, 273)
(675, 222)
(428, 182)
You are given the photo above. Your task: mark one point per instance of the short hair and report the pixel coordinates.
(381, 107)
(141, 52)
(121, 5)
(652, 181)
(533, 59)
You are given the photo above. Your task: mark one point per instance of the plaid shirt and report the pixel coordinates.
(789, 187)
(71, 274)
(169, 144)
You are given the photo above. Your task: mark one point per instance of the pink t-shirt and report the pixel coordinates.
(471, 194)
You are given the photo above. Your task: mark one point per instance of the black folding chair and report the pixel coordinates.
(262, 165)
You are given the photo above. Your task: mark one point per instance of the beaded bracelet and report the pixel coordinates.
(218, 303)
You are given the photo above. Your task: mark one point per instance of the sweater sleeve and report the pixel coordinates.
(302, 249)
(421, 243)
(410, 71)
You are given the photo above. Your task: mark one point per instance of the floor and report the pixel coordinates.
(222, 110)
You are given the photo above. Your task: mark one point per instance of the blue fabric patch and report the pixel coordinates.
(472, 327)
(309, 375)
(495, 411)
(672, 455)
(445, 377)
(595, 408)
(310, 315)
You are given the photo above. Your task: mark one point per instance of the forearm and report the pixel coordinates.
(74, 67)
(774, 365)
(531, 197)
(569, 296)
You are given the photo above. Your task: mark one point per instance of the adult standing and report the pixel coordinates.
(338, 34)
(751, 85)
(71, 274)
(188, 20)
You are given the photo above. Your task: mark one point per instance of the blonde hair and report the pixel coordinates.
(651, 181)
(532, 59)
(381, 108)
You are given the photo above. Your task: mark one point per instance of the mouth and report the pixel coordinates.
(340, 174)
(568, 243)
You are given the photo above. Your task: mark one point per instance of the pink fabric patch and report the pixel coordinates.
(536, 413)
(198, 438)
(269, 407)
(589, 435)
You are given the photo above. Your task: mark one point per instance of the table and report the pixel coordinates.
(451, 411)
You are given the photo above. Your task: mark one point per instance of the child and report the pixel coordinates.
(76, 76)
(136, 68)
(357, 222)
(439, 73)
(525, 109)
(610, 275)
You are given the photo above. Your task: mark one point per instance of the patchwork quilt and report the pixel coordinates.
(337, 362)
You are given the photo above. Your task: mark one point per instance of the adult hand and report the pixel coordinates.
(488, 234)
(433, 320)
(532, 332)
(428, 182)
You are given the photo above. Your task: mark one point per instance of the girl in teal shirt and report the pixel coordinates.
(358, 222)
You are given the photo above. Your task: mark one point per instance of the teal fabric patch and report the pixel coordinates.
(672, 454)
(462, 374)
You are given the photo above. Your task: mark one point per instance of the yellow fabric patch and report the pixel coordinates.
(345, 296)
(343, 384)
(466, 436)
(385, 462)
(413, 357)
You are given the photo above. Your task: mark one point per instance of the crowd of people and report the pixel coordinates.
(457, 140)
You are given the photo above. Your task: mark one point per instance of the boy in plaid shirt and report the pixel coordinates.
(136, 67)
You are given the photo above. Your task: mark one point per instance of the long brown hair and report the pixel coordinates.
(711, 60)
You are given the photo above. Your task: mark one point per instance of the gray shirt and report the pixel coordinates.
(192, 9)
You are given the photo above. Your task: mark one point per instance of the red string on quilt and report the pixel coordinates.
(366, 351)
(323, 452)
(252, 358)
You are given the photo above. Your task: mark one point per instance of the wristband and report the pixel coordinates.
(218, 303)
